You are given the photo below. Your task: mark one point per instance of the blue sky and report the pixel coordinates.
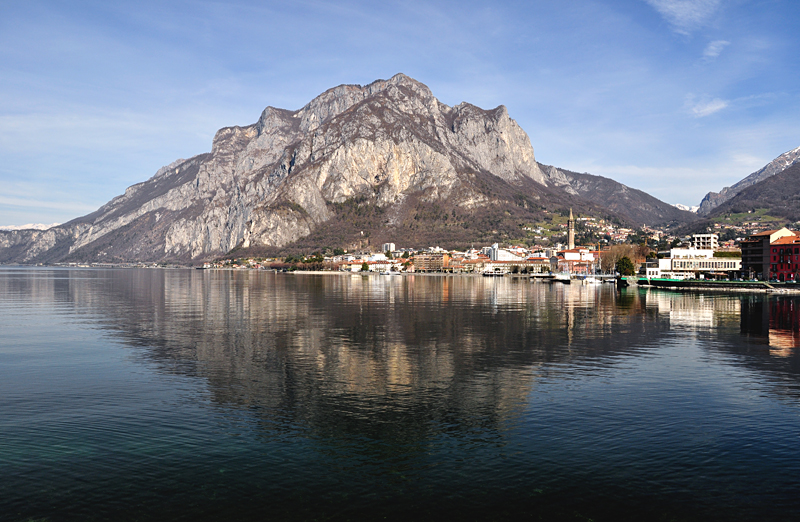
(674, 97)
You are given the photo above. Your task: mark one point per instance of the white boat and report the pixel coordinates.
(590, 280)
(563, 277)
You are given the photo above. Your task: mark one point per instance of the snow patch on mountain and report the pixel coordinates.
(29, 226)
(687, 208)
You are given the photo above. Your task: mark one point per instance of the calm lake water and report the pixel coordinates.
(220, 395)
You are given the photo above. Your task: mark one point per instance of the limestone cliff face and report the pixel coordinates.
(273, 182)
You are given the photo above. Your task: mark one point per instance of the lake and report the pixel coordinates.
(242, 395)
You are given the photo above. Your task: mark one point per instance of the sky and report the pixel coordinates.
(673, 97)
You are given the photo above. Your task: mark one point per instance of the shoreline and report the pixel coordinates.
(676, 285)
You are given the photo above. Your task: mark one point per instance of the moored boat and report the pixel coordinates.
(563, 277)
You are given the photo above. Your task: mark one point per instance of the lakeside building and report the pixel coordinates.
(785, 259)
(757, 253)
(431, 261)
(534, 265)
(577, 260)
(500, 254)
(692, 263)
(386, 265)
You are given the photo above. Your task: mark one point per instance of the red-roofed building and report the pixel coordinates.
(579, 260)
(757, 253)
(785, 259)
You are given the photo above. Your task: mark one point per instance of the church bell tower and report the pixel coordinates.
(571, 231)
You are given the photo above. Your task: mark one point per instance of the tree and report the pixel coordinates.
(338, 251)
(364, 267)
(405, 254)
(609, 258)
(625, 266)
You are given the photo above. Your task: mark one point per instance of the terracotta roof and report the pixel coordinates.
(770, 232)
(786, 240)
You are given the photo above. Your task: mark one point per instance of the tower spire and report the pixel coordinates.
(571, 231)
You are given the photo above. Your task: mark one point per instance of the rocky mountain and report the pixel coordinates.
(386, 161)
(779, 195)
(634, 205)
(779, 164)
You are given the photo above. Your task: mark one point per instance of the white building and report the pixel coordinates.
(690, 263)
(705, 241)
(499, 254)
(388, 247)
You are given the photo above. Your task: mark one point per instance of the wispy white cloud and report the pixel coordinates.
(704, 106)
(708, 108)
(713, 49)
(685, 16)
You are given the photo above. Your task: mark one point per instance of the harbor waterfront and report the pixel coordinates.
(132, 394)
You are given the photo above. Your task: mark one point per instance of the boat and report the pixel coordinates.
(563, 277)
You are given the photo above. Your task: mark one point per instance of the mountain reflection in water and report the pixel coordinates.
(349, 396)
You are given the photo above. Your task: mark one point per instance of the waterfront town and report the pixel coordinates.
(765, 255)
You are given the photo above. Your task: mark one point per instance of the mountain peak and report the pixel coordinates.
(338, 99)
(386, 159)
(776, 166)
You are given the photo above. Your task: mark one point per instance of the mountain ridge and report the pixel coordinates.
(779, 164)
(778, 194)
(389, 149)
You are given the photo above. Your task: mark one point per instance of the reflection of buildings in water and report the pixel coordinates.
(784, 326)
(692, 311)
(782, 343)
(774, 319)
(572, 310)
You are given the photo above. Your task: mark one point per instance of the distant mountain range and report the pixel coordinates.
(29, 226)
(714, 199)
(358, 164)
(687, 207)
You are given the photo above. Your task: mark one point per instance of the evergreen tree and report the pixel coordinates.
(625, 266)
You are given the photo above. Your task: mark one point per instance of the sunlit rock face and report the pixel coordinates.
(273, 182)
